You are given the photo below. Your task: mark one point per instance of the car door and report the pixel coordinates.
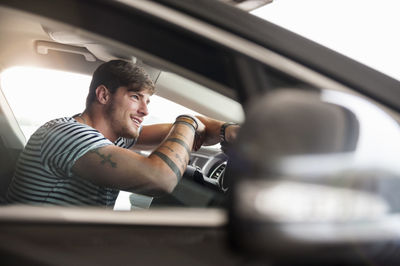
(215, 45)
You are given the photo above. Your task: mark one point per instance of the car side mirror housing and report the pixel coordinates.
(298, 196)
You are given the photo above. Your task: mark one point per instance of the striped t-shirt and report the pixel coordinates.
(43, 174)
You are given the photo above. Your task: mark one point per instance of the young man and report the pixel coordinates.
(88, 158)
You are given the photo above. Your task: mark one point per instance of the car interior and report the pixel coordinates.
(51, 46)
(304, 184)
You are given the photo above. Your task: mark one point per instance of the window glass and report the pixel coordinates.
(37, 95)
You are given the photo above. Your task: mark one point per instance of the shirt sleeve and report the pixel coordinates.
(64, 143)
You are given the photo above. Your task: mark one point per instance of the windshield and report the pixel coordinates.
(364, 30)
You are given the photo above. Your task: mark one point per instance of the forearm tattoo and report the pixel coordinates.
(106, 158)
(168, 148)
(180, 142)
(186, 124)
(179, 164)
(174, 159)
(170, 164)
(182, 135)
(183, 161)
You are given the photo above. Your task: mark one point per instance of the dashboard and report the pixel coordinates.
(212, 164)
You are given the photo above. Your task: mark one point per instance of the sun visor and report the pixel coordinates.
(74, 42)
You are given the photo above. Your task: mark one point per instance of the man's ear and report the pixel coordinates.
(102, 94)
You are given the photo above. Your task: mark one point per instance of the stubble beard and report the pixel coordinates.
(119, 124)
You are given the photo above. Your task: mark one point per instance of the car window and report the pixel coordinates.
(46, 94)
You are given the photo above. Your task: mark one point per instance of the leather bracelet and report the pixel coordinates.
(222, 130)
(187, 119)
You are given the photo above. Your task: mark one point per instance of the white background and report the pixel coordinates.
(365, 30)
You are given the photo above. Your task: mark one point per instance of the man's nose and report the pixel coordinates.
(143, 109)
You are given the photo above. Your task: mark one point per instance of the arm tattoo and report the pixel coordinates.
(182, 161)
(168, 148)
(182, 135)
(181, 142)
(106, 158)
(170, 164)
(186, 124)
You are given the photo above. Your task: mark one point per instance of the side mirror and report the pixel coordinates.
(298, 195)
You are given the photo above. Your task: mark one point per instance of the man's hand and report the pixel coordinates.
(231, 133)
(213, 130)
(200, 134)
(228, 134)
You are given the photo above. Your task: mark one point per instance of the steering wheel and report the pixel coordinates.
(215, 181)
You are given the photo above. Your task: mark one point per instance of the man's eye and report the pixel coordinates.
(134, 96)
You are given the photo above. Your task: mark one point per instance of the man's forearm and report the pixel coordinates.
(174, 152)
(151, 136)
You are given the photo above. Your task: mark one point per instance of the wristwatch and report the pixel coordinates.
(222, 131)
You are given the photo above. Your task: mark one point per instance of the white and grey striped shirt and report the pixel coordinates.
(43, 174)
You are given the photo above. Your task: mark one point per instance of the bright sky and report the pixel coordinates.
(365, 30)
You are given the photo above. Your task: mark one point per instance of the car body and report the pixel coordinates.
(210, 57)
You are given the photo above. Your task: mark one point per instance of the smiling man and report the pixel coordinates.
(86, 159)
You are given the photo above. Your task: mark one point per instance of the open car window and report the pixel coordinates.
(46, 94)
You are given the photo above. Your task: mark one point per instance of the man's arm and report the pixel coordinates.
(212, 136)
(151, 136)
(112, 166)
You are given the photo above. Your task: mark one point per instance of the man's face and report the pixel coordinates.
(127, 110)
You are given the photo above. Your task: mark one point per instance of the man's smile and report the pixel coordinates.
(136, 120)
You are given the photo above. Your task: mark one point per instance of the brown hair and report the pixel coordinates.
(117, 73)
